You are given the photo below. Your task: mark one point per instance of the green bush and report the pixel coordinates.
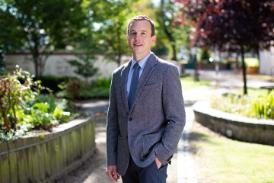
(53, 82)
(258, 106)
(263, 106)
(23, 107)
(75, 89)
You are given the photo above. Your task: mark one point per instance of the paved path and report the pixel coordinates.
(232, 80)
(93, 170)
(182, 169)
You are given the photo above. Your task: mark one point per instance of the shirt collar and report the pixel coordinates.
(142, 62)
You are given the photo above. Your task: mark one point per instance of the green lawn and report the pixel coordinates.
(221, 160)
(188, 83)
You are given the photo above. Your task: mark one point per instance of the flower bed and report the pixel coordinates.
(235, 126)
(42, 156)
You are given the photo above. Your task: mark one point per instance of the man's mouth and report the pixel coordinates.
(137, 45)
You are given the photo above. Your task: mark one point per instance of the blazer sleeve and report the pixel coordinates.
(174, 111)
(112, 125)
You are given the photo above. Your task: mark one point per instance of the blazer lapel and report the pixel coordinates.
(124, 76)
(152, 61)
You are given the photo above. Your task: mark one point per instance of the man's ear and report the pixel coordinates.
(154, 39)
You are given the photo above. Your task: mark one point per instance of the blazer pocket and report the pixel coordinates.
(153, 86)
(149, 141)
(151, 83)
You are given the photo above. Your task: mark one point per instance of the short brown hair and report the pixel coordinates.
(139, 18)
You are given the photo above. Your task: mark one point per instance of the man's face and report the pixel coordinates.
(139, 37)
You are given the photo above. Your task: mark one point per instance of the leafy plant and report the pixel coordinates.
(256, 105)
(263, 106)
(22, 107)
(14, 95)
(41, 117)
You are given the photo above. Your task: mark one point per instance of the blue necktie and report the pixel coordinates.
(133, 84)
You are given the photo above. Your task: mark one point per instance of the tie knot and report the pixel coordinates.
(136, 66)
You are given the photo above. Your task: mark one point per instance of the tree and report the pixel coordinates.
(39, 26)
(84, 66)
(109, 27)
(232, 25)
(169, 25)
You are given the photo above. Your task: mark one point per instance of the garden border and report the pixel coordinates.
(44, 156)
(235, 126)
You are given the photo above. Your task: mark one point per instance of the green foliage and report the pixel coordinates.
(2, 64)
(205, 55)
(75, 89)
(98, 89)
(84, 67)
(263, 106)
(61, 115)
(23, 108)
(101, 82)
(109, 27)
(258, 105)
(172, 35)
(36, 26)
(40, 116)
(13, 96)
(53, 82)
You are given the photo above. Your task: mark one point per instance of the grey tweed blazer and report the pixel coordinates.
(153, 125)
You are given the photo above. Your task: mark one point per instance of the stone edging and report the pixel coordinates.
(44, 156)
(235, 126)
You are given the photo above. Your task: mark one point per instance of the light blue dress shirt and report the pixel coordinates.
(142, 64)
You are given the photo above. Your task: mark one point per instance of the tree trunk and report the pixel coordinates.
(174, 52)
(243, 70)
(36, 64)
(195, 65)
(35, 53)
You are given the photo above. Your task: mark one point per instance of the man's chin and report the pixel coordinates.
(138, 49)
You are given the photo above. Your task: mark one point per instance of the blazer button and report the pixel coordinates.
(130, 118)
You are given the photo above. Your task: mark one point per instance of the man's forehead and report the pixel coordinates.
(140, 25)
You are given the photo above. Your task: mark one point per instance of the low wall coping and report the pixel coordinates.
(235, 126)
(204, 107)
(36, 137)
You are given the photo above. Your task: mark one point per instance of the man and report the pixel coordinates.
(146, 114)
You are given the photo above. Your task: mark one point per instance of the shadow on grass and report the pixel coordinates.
(191, 139)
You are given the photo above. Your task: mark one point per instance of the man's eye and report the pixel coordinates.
(143, 33)
(133, 33)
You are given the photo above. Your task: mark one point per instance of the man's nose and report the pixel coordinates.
(137, 37)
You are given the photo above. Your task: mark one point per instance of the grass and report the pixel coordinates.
(188, 83)
(222, 160)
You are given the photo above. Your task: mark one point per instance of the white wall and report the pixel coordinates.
(57, 64)
(267, 61)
